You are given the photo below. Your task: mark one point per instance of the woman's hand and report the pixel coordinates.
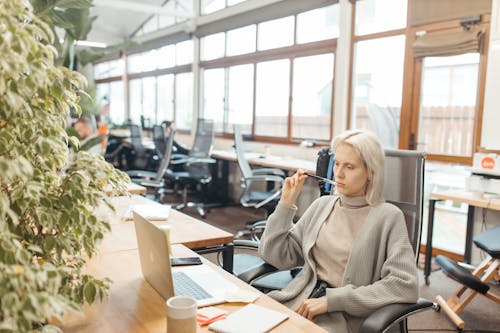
(292, 187)
(310, 308)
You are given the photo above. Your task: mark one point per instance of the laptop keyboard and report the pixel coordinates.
(185, 286)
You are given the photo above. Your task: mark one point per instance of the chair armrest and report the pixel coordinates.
(257, 271)
(268, 171)
(198, 160)
(391, 314)
(141, 174)
(265, 178)
(247, 244)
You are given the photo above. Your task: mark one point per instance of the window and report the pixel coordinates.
(166, 56)
(276, 33)
(165, 98)
(318, 24)
(184, 101)
(241, 41)
(312, 97)
(184, 53)
(211, 6)
(378, 86)
(135, 63)
(448, 104)
(379, 15)
(213, 46)
(213, 97)
(149, 100)
(272, 95)
(116, 102)
(135, 100)
(240, 98)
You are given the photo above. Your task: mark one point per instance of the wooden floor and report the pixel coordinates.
(481, 315)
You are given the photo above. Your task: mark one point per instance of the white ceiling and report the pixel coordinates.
(119, 19)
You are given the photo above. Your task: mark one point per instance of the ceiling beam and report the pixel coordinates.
(141, 8)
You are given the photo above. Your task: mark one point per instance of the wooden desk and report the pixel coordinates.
(472, 199)
(288, 164)
(132, 188)
(184, 229)
(134, 306)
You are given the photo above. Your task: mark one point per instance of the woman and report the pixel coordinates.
(353, 247)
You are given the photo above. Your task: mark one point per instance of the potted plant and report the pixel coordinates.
(48, 193)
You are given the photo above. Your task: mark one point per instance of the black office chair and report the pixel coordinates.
(156, 181)
(473, 282)
(140, 156)
(404, 179)
(261, 186)
(196, 173)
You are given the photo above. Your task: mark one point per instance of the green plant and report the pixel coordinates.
(48, 194)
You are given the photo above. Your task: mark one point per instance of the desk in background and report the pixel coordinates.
(184, 229)
(472, 199)
(132, 188)
(134, 306)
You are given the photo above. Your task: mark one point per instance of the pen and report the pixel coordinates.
(321, 178)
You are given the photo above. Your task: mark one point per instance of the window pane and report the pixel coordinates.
(149, 100)
(135, 99)
(116, 67)
(184, 101)
(312, 96)
(184, 52)
(241, 41)
(150, 25)
(318, 24)
(165, 21)
(116, 102)
(212, 47)
(150, 61)
(272, 95)
(166, 56)
(379, 15)
(135, 63)
(213, 96)
(101, 70)
(240, 98)
(447, 104)
(276, 33)
(210, 6)
(377, 87)
(165, 97)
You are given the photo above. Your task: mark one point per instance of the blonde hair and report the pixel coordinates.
(370, 150)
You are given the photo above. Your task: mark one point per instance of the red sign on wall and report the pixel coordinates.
(487, 163)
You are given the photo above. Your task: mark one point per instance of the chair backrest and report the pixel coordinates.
(243, 164)
(203, 139)
(135, 137)
(159, 140)
(403, 185)
(165, 160)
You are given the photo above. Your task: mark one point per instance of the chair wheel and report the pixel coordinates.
(437, 308)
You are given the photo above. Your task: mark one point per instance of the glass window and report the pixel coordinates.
(135, 63)
(447, 104)
(241, 41)
(116, 102)
(149, 100)
(116, 67)
(150, 60)
(240, 98)
(318, 24)
(165, 98)
(378, 87)
(165, 21)
(101, 70)
(135, 99)
(211, 6)
(213, 46)
(213, 96)
(184, 101)
(272, 95)
(166, 56)
(312, 97)
(184, 52)
(276, 33)
(151, 25)
(379, 15)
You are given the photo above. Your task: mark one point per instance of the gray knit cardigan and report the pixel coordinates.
(380, 269)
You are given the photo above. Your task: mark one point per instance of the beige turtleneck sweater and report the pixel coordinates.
(335, 238)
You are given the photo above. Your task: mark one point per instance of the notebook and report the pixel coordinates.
(250, 319)
(199, 281)
(150, 211)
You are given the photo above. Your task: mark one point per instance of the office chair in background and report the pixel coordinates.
(156, 181)
(140, 156)
(473, 282)
(196, 173)
(253, 194)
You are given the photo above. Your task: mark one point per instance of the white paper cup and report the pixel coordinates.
(181, 314)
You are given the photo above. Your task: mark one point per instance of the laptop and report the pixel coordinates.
(198, 281)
